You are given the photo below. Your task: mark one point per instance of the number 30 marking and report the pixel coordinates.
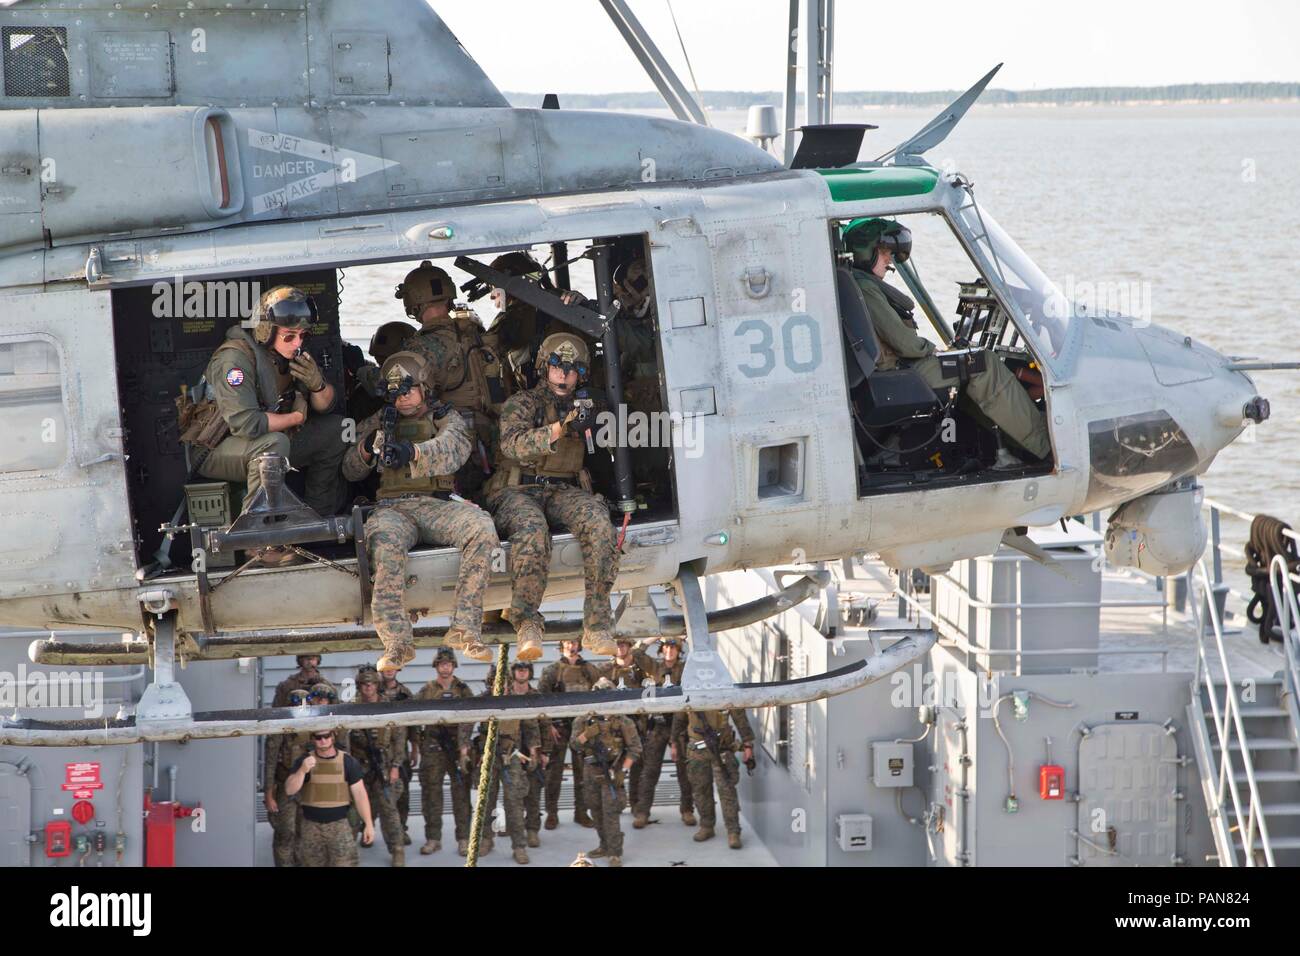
(766, 355)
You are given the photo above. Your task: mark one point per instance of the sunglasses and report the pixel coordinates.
(321, 736)
(556, 362)
(293, 335)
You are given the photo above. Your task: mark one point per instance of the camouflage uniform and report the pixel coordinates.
(400, 691)
(333, 843)
(565, 677)
(436, 763)
(379, 750)
(280, 753)
(409, 512)
(248, 380)
(619, 736)
(704, 769)
(658, 736)
(633, 672)
(524, 512)
(512, 735)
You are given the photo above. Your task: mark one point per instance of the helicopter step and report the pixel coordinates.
(658, 700)
(633, 620)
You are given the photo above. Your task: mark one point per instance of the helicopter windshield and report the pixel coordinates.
(1039, 303)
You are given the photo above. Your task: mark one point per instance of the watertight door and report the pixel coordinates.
(65, 526)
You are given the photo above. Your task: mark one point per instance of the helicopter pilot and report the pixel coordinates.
(876, 245)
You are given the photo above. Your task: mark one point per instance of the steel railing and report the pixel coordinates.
(1283, 585)
(1227, 724)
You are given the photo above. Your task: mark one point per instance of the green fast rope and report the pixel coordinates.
(489, 756)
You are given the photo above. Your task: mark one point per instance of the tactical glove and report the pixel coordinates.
(306, 372)
(398, 454)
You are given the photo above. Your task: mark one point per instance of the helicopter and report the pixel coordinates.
(162, 159)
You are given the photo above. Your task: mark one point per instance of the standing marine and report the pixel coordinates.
(711, 747)
(380, 752)
(571, 674)
(444, 753)
(391, 689)
(518, 751)
(609, 747)
(659, 739)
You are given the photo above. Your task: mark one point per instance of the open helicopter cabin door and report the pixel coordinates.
(64, 528)
(165, 334)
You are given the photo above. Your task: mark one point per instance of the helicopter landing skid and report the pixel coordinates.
(294, 720)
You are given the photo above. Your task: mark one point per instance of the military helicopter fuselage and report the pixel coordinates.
(343, 140)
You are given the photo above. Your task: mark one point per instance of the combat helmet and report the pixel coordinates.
(323, 693)
(517, 664)
(389, 339)
(521, 264)
(282, 307)
(445, 654)
(402, 371)
(864, 236)
(632, 284)
(423, 286)
(366, 674)
(564, 350)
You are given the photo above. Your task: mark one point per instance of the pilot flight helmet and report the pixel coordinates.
(566, 351)
(423, 285)
(403, 371)
(283, 307)
(444, 654)
(388, 339)
(863, 237)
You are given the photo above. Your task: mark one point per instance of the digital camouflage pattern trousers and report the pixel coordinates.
(515, 787)
(286, 822)
(525, 514)
(434, 766)
(654, 745)
(384, 806)
(328, 844)
(558, 751)
(605, 806)
(703, 772)
(395, 527)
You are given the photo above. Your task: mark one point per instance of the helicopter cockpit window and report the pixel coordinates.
(31, 407)
(1042, 306)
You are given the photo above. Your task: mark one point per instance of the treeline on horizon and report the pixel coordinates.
(739, 99)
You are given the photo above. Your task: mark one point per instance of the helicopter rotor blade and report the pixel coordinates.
(909, 152)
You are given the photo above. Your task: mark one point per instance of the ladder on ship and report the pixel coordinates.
(1246, 733)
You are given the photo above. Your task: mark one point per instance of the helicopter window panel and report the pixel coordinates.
(35, 61)
(31, 407)
(1041, 304)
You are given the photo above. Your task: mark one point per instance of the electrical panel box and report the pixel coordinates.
(892, 764)
(853, 832)
(1051, 782)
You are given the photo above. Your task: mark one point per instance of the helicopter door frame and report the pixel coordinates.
(67, 523)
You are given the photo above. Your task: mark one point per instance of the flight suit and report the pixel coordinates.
(511, 773)
(704, 768)
(633, 672)
(400, 691)
(565, 677)
(440, 757)
(248, 380)
(658, 736)
(379, 750)
(413, 509)
(603, 786)
(538, 485)
(995, 390)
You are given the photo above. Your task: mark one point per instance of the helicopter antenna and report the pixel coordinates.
(670, 87)
(909, 153)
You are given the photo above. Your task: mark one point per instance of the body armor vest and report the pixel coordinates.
(573, 677)
(327, 787)
(481, 388)
(719, 721)
(395, 482)
(606, 734)
(564, 461)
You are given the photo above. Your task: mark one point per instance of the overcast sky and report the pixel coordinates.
(568, 46)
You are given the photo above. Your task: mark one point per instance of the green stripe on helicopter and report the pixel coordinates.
(879, 182)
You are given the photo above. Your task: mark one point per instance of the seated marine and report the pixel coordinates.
(876, 245)
(418, 458)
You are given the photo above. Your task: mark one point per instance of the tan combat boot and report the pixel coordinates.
(640, 820)
(599, 641)
(703, 833)
(733, 841)
(529, 646)
(406, 838)
(533, 840)
(583, 819)
(278, 557)
(688, 818)
(399, 858)
(396, 657)
(430, 846)
(597, 853)
(615, 861)
(485, 846)
(521, 855)
(552, 820)
(462, 847)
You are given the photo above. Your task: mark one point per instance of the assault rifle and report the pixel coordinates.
(604, 760)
